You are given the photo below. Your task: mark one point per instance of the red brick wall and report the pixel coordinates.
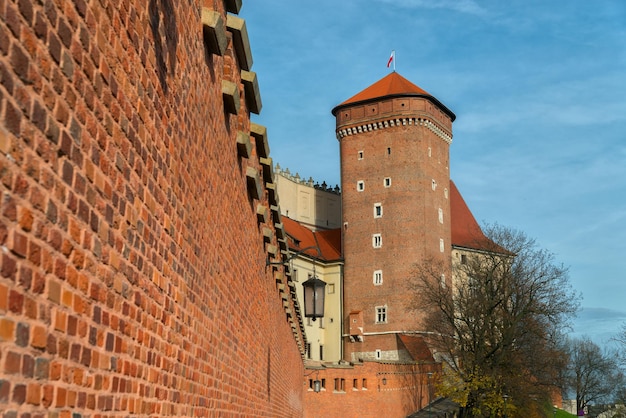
(412, 156)
(133, 277)
(404, 391)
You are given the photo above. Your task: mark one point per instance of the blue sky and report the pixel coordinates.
(539, 90)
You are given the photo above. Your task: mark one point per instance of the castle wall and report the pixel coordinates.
(133, 216)
(369, 389)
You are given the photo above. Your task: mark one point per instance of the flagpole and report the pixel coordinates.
(394, 60)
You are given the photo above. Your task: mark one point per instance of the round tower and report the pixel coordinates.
(394, 142)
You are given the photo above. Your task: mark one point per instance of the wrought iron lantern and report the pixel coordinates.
(314, 298)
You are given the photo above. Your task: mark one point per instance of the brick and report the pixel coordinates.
(18, 243)
(12, 363)
(20, 62)
(5, 391)
(19, 393)
(28, 365)
(39, 337)
(22, 334)
(7, 329)
(33, 394)
(16, 301)
(12, 118)
(26, 9)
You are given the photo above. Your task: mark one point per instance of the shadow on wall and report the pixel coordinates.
(163, 25)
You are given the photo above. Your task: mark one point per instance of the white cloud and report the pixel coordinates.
(461, 6)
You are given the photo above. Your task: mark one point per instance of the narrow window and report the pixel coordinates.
(355, 384)
(430, 152)
(378, 277)
(463, 259)
(324, 384)
(321, 352)
(378, 210)
(381, 314)
(388, 150)
(379, 354)
(441, 246)
(360, 185)
(445, 193)
(308, 350)
(440, 215)
(387, 182)
(434, 184)
(340, 385)
(364, 384)
(377, 241)
(360, 154)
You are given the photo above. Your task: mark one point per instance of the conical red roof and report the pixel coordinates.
(392, 85)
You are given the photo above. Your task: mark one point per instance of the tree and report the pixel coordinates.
(498, 326)
(593, 375)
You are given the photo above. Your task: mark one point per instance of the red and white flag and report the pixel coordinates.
(391, 58)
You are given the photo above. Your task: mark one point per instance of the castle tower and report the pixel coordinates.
(394, 141)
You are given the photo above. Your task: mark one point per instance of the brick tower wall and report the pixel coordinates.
(405, 140)
(133, 278)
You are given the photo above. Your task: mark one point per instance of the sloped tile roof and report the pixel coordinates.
(300, 237)
(392, 85)
(465, 230)
(416, 347)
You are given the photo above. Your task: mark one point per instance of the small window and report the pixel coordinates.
(387, 182)
(330, 288)
(440, 215)
(321, 352)
(364, 384)
(308, 350)
(430, 152)
(355, 384)
(434, 184)
(378, 277)
(441, 245)
(388, 150)
(377, 241)
(340, 385)
(360, 155)
(445, 193)
(381, 314)
(378, 210)
(379, 354)
(324, 384)
(463, 259)
(360, 185)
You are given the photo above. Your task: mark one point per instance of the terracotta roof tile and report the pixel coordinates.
(465, 230)
(416, 347)
(392, 85)
(300, 237)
